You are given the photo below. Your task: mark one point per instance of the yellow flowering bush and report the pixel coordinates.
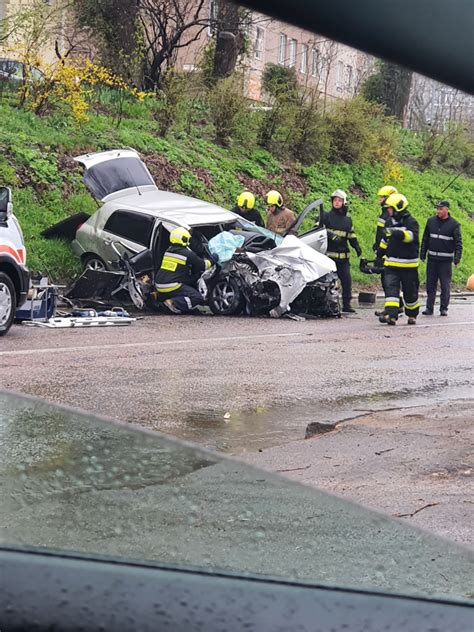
(72, 84)
(392, 171)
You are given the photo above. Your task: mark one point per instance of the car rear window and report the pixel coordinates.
(135, 227)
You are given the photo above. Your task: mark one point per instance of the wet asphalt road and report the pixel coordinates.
(239, 384)
(242, 385)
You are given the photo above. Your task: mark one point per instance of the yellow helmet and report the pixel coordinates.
(386, 191)
(246, 200)
(397, 201)
(180, 236)
(273, 198)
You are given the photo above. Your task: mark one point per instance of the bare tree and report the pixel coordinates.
(329, 54)
(168, 25)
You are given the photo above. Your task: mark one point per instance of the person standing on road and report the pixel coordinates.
(245, 208)
(338, 224)
(383, 221)
(279, 218)
(179, 271)
(400, 247)
(383, 194)
(442, 242)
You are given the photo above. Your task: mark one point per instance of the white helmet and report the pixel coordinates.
(340, 194)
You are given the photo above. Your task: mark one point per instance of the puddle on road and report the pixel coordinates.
(237, 432)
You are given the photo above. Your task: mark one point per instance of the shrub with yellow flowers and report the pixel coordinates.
(71, 85)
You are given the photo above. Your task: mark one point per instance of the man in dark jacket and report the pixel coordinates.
(245, 208)
(179, 271)
(442, 242)
(340, 234)
(400, 248)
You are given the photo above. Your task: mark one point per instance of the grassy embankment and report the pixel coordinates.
(36, 160)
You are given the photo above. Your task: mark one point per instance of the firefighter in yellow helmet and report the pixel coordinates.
(178, 274)
(383, 194)
(245, 207)
(279, 218)
(399, 247)
(384, 220)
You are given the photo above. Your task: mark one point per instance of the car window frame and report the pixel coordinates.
(152, 221)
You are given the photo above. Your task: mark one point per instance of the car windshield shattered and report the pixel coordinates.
(78, 484)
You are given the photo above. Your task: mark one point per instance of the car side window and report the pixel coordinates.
(135, 227)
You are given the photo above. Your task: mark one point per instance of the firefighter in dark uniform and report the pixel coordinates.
(383, 194)
(245, 208)
(178, 274)
(400, 248)
(442, 242)
(383, 221)
(340, 234)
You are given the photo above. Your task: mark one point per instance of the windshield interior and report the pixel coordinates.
(79, 484)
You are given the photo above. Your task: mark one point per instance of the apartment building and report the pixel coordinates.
(433, 104)
(332, 68)
(12, 46)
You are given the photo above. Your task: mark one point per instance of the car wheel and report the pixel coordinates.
(94, 262)
(7, 303)
(226, 298)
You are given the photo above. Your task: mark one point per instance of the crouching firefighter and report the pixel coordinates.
(340, 234)
(178, 274)
(400, 247)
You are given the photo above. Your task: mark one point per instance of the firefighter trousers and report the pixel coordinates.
(185, 299)
(344, 273)
(407, 280)
(382, 280)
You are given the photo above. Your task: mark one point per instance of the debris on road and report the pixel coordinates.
(410, 515)
(82, 321)
(318, 428)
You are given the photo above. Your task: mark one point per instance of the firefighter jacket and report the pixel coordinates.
(382, 221)
(442, 240)
(180, 266)
(251, 215)
(280, 221)
(340, 234)
(401, 244)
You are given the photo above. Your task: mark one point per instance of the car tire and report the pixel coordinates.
(226, 298)
(93, 262)
(7, 303)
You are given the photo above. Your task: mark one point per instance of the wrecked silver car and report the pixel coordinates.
(122, 246)
(290, 278)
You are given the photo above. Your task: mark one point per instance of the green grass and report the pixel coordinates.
(35, 160)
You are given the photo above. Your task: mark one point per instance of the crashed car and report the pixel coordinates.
(271, 274)
(288, 278)
(134, 209)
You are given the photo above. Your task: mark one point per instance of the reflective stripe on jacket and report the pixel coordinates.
(400, 248)
(179, 266)
(442, 239)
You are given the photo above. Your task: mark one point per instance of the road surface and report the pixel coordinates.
(241, 385)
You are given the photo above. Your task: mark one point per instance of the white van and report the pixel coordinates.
(14, 275)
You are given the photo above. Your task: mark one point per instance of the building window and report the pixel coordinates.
(282, 49)
(314, 62)
(339, 75)
(349, 77)
(304, 59)
(258, 44)
(292, 53)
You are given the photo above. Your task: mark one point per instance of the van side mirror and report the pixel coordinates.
(6, 204)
